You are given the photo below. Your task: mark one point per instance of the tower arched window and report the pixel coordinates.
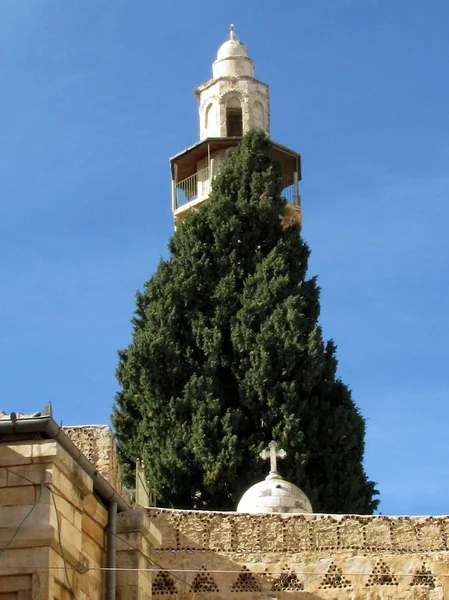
(234, 118)
(208, 118)
(258, 115)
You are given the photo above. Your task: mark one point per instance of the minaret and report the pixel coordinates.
(230, 104)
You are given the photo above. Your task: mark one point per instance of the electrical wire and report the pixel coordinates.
(159, 566)
(171, 571)
(53, 494)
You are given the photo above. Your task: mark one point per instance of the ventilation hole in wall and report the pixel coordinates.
(334, 578)
(287, 582)
(381, 575)
(246, 582)
(424, 578)
(204, 582)
(163, 584)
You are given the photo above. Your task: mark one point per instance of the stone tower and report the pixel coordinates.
(230, 104)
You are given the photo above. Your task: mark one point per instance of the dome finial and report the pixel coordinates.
(232, 33)
(272, 453)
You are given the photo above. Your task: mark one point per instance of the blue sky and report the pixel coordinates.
(96, 96)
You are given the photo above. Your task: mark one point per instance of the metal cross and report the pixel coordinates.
(272, 453)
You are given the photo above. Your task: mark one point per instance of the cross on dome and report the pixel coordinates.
(272, 453)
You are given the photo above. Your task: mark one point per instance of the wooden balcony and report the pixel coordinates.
(194, 191)
(192, 180)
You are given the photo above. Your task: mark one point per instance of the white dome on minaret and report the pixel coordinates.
(233, 101)
(232, 59)
(230, 104)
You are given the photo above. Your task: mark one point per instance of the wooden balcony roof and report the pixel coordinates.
(187, 160)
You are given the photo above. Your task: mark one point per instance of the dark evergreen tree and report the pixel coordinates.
(227, 354)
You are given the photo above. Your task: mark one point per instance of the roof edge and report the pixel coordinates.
(50, 430)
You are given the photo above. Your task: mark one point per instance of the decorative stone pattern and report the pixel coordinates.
(163, 584)
(246, 582)
(287, 581)
(423, 577)
(334, 578)
(203, 582)
(97, 444)
(263, 555)
(299, 532)
(381, 575)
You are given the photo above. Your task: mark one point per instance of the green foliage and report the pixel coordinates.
(227, 354)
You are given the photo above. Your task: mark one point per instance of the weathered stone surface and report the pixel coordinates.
(97, 444)
(43, 542)
(325, 556)
(214, 555)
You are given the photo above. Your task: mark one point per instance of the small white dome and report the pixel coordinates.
(274, 495)
(232, 48)
(232, 59)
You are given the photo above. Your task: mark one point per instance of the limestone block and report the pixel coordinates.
(378, 534)
(193, 531)
(44, 451)
(12, 516)
(27, 537)
(95, 510)
(166, 524)
(297, 534)
(15, 496)
(93, 551)
(244, 533)
(14, 583)
(271, 532)
(128, 592)
(26, 560)
(430, 535)
(67, 529)
(325, 534)
(404, 535)
(63, 506)
(3, 477)
(63, 486)
(137, 521)
(20, 475)
(64, 463)
(15, 454)
(351, 533)
(92, 529)
(221, 533)
(97, 444)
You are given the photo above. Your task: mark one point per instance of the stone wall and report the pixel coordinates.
(97, 444)
(51, 525)
(231, 555)
(213, 96)
(136, 538)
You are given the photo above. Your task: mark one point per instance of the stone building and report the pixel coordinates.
(69, 531)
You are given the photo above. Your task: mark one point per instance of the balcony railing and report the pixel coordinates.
(288, 190)
(197, 187)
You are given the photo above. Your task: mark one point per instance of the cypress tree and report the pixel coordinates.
(227, 354)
